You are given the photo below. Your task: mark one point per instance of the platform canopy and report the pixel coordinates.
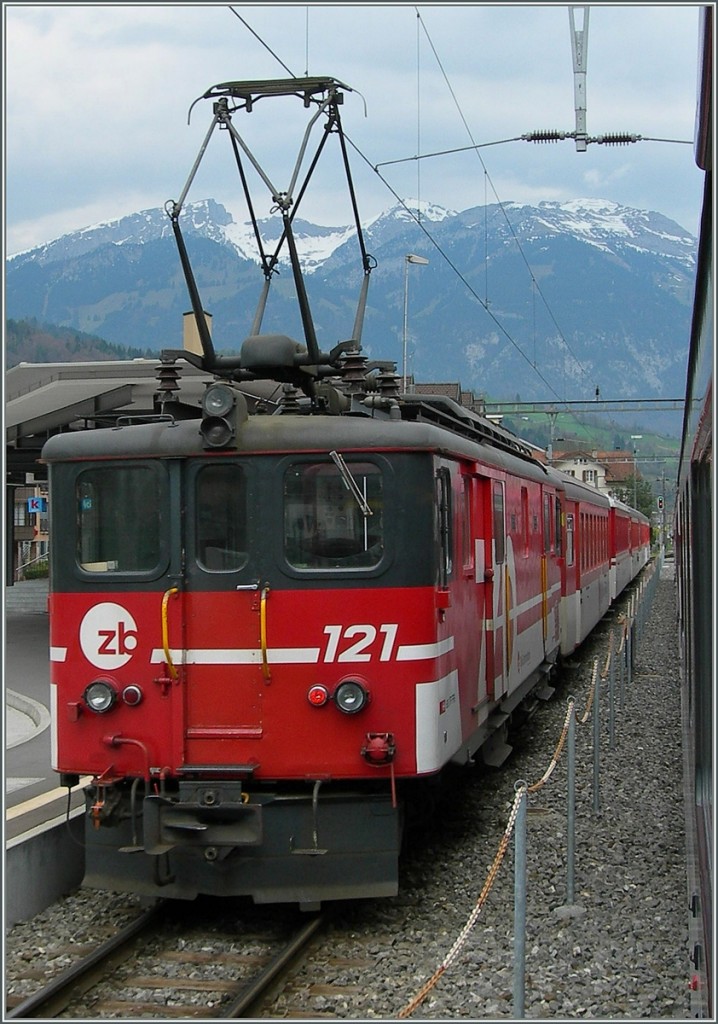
(42, 399)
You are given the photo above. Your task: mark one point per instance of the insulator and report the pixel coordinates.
(168, 377)
(289, 402)
(354, 370)
(616, 139)
(388, 382)
(550, 135)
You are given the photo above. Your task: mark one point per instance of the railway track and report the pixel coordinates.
(163, 962)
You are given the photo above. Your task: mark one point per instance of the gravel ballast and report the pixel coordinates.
(619, 951)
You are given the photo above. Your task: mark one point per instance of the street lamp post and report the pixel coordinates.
(634, 438)
(409, 258)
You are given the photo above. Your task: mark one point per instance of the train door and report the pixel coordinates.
(472, 562)
(495, 597)
(551, 571)
(222, 604)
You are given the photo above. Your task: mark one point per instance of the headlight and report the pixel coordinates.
(100, 696)
(217, 400)
(350, 697)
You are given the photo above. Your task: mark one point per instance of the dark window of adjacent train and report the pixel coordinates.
(333, 517)
(221, 524)
(119, 514)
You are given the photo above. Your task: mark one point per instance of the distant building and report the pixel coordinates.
(451, 390)
(608, 472)
(30, 528)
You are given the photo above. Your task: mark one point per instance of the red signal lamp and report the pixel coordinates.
(318, 695)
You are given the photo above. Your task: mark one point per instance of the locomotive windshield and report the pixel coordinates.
(324, 525)
(118, 518)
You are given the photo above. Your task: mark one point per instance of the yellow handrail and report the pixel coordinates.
(165, 631)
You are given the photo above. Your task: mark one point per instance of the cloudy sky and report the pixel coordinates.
(97, 99)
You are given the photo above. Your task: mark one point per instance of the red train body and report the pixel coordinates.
(277, 694)
(268, 630)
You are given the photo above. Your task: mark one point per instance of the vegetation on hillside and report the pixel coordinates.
(29, 341)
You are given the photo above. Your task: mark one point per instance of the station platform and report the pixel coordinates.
(24, 719)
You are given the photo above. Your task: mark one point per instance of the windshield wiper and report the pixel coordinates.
(351, 484)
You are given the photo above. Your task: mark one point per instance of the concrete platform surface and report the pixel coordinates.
(24, 718)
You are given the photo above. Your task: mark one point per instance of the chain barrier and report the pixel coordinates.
(591, 694)
(628, 621)
(557, 753)
(473, 917)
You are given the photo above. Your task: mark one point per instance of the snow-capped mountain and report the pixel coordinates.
(211, 220)
(604, 224)
(547, 301)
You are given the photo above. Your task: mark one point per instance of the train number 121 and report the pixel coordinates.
(360, 640)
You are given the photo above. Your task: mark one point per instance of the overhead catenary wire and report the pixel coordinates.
(539, 135)
(484, 304)
(459, 274)
(502, 208)
(260, 40)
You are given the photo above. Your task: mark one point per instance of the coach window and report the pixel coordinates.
(333, 522)
(221, 523)
(525, 520)
(119, 516)
(444, 519)
(546, 523)
(558, 533)
(467, 548)
(499, 537)
(569, 538)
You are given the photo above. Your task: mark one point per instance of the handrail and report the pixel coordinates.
(263, 633)
(39, 558)
(165, 631)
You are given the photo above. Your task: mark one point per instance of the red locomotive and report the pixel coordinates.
(266, 629)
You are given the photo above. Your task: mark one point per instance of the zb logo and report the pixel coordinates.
(108, 635)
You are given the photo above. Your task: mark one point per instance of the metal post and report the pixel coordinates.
(520, 903)
(640, 604)
(406, 320)
(634, 438)
(571, 836)
(579, 46)
(11, 559)
(596, 742)
(421, 261)
(611, 681)
(622, 667)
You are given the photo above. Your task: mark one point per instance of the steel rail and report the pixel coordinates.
(248, 997)
(64, 987)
